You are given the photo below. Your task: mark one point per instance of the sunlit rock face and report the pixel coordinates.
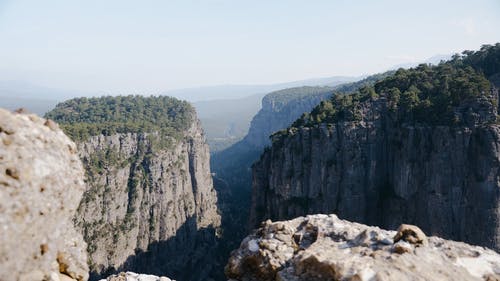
(149, 207)
(41, 184)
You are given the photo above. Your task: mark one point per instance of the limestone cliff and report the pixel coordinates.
(146, 209)
(41, 183)
(232, 166)
(281, 108)
(150, 205)
(443, 179)
(323, 247)
(375, 160)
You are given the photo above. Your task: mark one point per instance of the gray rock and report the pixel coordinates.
(344, 250)
(41, 183)
(280, 109)
(150, 205)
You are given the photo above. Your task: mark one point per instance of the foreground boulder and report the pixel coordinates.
(324, 247)
(41, 184)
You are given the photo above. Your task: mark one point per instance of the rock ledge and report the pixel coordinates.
(324, 247)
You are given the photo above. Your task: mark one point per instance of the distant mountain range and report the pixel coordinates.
(432, 60)
(216, 105)
(240, 91)
(37, 99)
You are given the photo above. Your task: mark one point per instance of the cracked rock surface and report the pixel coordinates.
(324, 247)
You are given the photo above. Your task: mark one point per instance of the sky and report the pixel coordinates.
(147, 46)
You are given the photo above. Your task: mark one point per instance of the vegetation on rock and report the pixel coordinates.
(81, 118)
(282, 98)
(425, 94)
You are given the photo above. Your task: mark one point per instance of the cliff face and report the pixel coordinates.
(444, 179)
(41, 183)
(232, 166)
(323, 247)
(150, 205)
(280, 109)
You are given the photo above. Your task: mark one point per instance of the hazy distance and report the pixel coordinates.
(126, 47)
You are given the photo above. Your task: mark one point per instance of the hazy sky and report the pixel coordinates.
(148, 46)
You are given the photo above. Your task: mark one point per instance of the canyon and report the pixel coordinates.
(134, 191)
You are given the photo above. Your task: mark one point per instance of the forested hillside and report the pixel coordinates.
(81, 118)
(426, 94)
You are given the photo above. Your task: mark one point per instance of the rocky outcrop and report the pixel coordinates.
(150, 205)
(378, 171)
(323, 247)
(131, 276)
(41, 183)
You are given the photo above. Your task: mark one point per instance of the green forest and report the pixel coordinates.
(81, 118)
(283, 97)
(425, 94)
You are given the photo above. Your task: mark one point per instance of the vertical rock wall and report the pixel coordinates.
(150, 205)
(445, 179)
